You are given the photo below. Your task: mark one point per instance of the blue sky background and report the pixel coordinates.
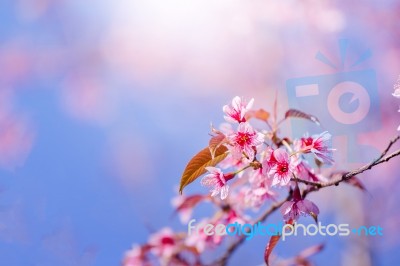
(102, 104)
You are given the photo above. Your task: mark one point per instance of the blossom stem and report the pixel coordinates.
(287, 146)
(222, 261)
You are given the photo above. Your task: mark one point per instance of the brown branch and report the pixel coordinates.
(346, 176)
(315, 186)
(232, 247)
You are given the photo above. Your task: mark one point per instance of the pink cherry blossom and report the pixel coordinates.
(256, 196)
(282, 167)
(305, 172)
(200, 240)
(217, 181)
(236, 163)
(396, 93)
(318, 145)
(292, 210)
(268, 160)
(163, 243)
(237, 110)
(244, 141)
(184, 213)
(135, 257)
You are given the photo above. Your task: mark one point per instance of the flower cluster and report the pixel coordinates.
(245, 168)
(267, 161)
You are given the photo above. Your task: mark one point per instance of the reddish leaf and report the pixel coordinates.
(196, 166)
(299, 114)
(314, 216)
(260, 114)
(215, 142)
(270, 246)
(190, 202)
(354, 181)
(311, 251)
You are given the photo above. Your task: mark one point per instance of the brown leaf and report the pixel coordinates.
(314, 216)
(270, 246)
(260, 114)
(299, 114)
(215, 142)
(196, 166)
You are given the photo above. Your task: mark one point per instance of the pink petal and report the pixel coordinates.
(307, 207)
(396, 93)
(215, 191)
(275, 180)
(285, 179)
(250, 104)
(281, 155)
(213, 170)
(224, 192)
(209, 181)
(236, 103)
(286, 207)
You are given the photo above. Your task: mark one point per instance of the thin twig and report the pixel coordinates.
(315, 186)
(232, 248)
(346, 176)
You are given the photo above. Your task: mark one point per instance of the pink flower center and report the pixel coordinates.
(236, 115)
(166, 240)
(308, 141)
(243, 138)
(295, 210)
(283, 168)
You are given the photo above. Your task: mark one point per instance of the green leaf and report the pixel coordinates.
(196, 166)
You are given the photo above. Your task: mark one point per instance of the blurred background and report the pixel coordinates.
(102, 103)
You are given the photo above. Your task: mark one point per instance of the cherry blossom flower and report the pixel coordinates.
(237, 110)
(163, 243)
(230, 162)
(305, 172)
(244, 141)
(237, 200)
(292, 210)
(200, 240)
(256, 196)
(184, 213)
(281, 166)
(135, 257)
(396, 93)
(217, 181)
(268, 160)
(318, 145)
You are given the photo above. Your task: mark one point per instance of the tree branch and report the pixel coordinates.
(232, 247)
(346, 176)
(222, 261)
